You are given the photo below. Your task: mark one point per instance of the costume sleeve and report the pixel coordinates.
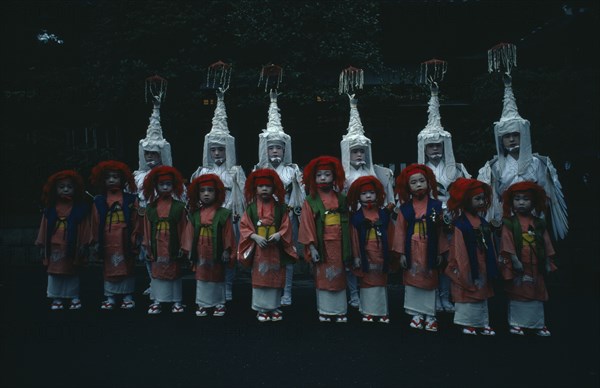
(94, 223)
(307, 232)
(354, 241)
(285, 230)
(442, 241)
(507, 248)
(147, 237)
(399, 235)
(187, 237)
(247, 245)
(40, 241)
(458, 255)
(229, 241)
(181, 226)
(136, 232)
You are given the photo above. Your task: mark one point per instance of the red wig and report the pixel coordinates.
(264, 176)
(101, 169)
(323, 163)
(49, 195)
(538, 197)
(156, 175)
(463, 190)
(403, 188)
(363, 184)
(211, 180)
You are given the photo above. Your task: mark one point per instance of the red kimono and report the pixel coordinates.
(118, 241)
(206, 267)
(528, 284)
(267, 269)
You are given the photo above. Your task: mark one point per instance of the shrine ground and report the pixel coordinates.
(94, 348)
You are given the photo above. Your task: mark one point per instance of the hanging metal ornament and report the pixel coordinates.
(502, 58)
(271, 75)
(156, 87)
(432, 70)
(351, 78)
(218, 75)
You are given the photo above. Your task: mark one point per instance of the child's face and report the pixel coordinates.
(65, 188)
(217, 153)
(418, 184)
(324, 176)
(357, 156)
(264, 191)
(434, 151)
(478, 202)
(522, 203)
(113, 180)
(164, 188)
(207, 195)
(152, 158)
(368, 197)
(511, 140)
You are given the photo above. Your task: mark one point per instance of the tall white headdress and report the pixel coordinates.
(354, 138)
(219, 134)
(504, 57)
(273, 134)
(156, 90)
(432, 72)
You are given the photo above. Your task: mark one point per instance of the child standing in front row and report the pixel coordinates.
(370, 231)
(209, 242)
(526, 250)
(115, 230)
(420, 242)
(63, 236)
(163, 227)
(266, 241)
(472, 261)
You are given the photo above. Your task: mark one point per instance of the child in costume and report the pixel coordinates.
(371, 231)
(266, 241)
(164, 223)
(63, 236)
(209, 242)
(472, 261)
(325, 234)
(420, 242)
(115, 230)
(526, 250)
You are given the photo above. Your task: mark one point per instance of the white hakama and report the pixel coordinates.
(529, 314)
(63, 286)
(165, 290)
(332, 302)
(265, 300)
(210, 294)
(374, 301)
(473, 314)
(121, 287)
(419, 301)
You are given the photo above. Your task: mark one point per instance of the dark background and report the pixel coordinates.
(93, 83)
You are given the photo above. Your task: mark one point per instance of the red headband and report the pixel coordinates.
(263, 181)
(165, 177)
(367, 187)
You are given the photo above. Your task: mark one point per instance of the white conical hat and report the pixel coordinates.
(510, 122)
(273, 133)
(219, 134)
(434, 132)
(355, 137)
(154, 140)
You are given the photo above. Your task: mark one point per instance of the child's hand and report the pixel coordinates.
(275, 237)
(314, 253)
(357, 262)
(403, 262)
(517, 265)
(259, 240)
(548, 265)
(225, 256)
(438, 260)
